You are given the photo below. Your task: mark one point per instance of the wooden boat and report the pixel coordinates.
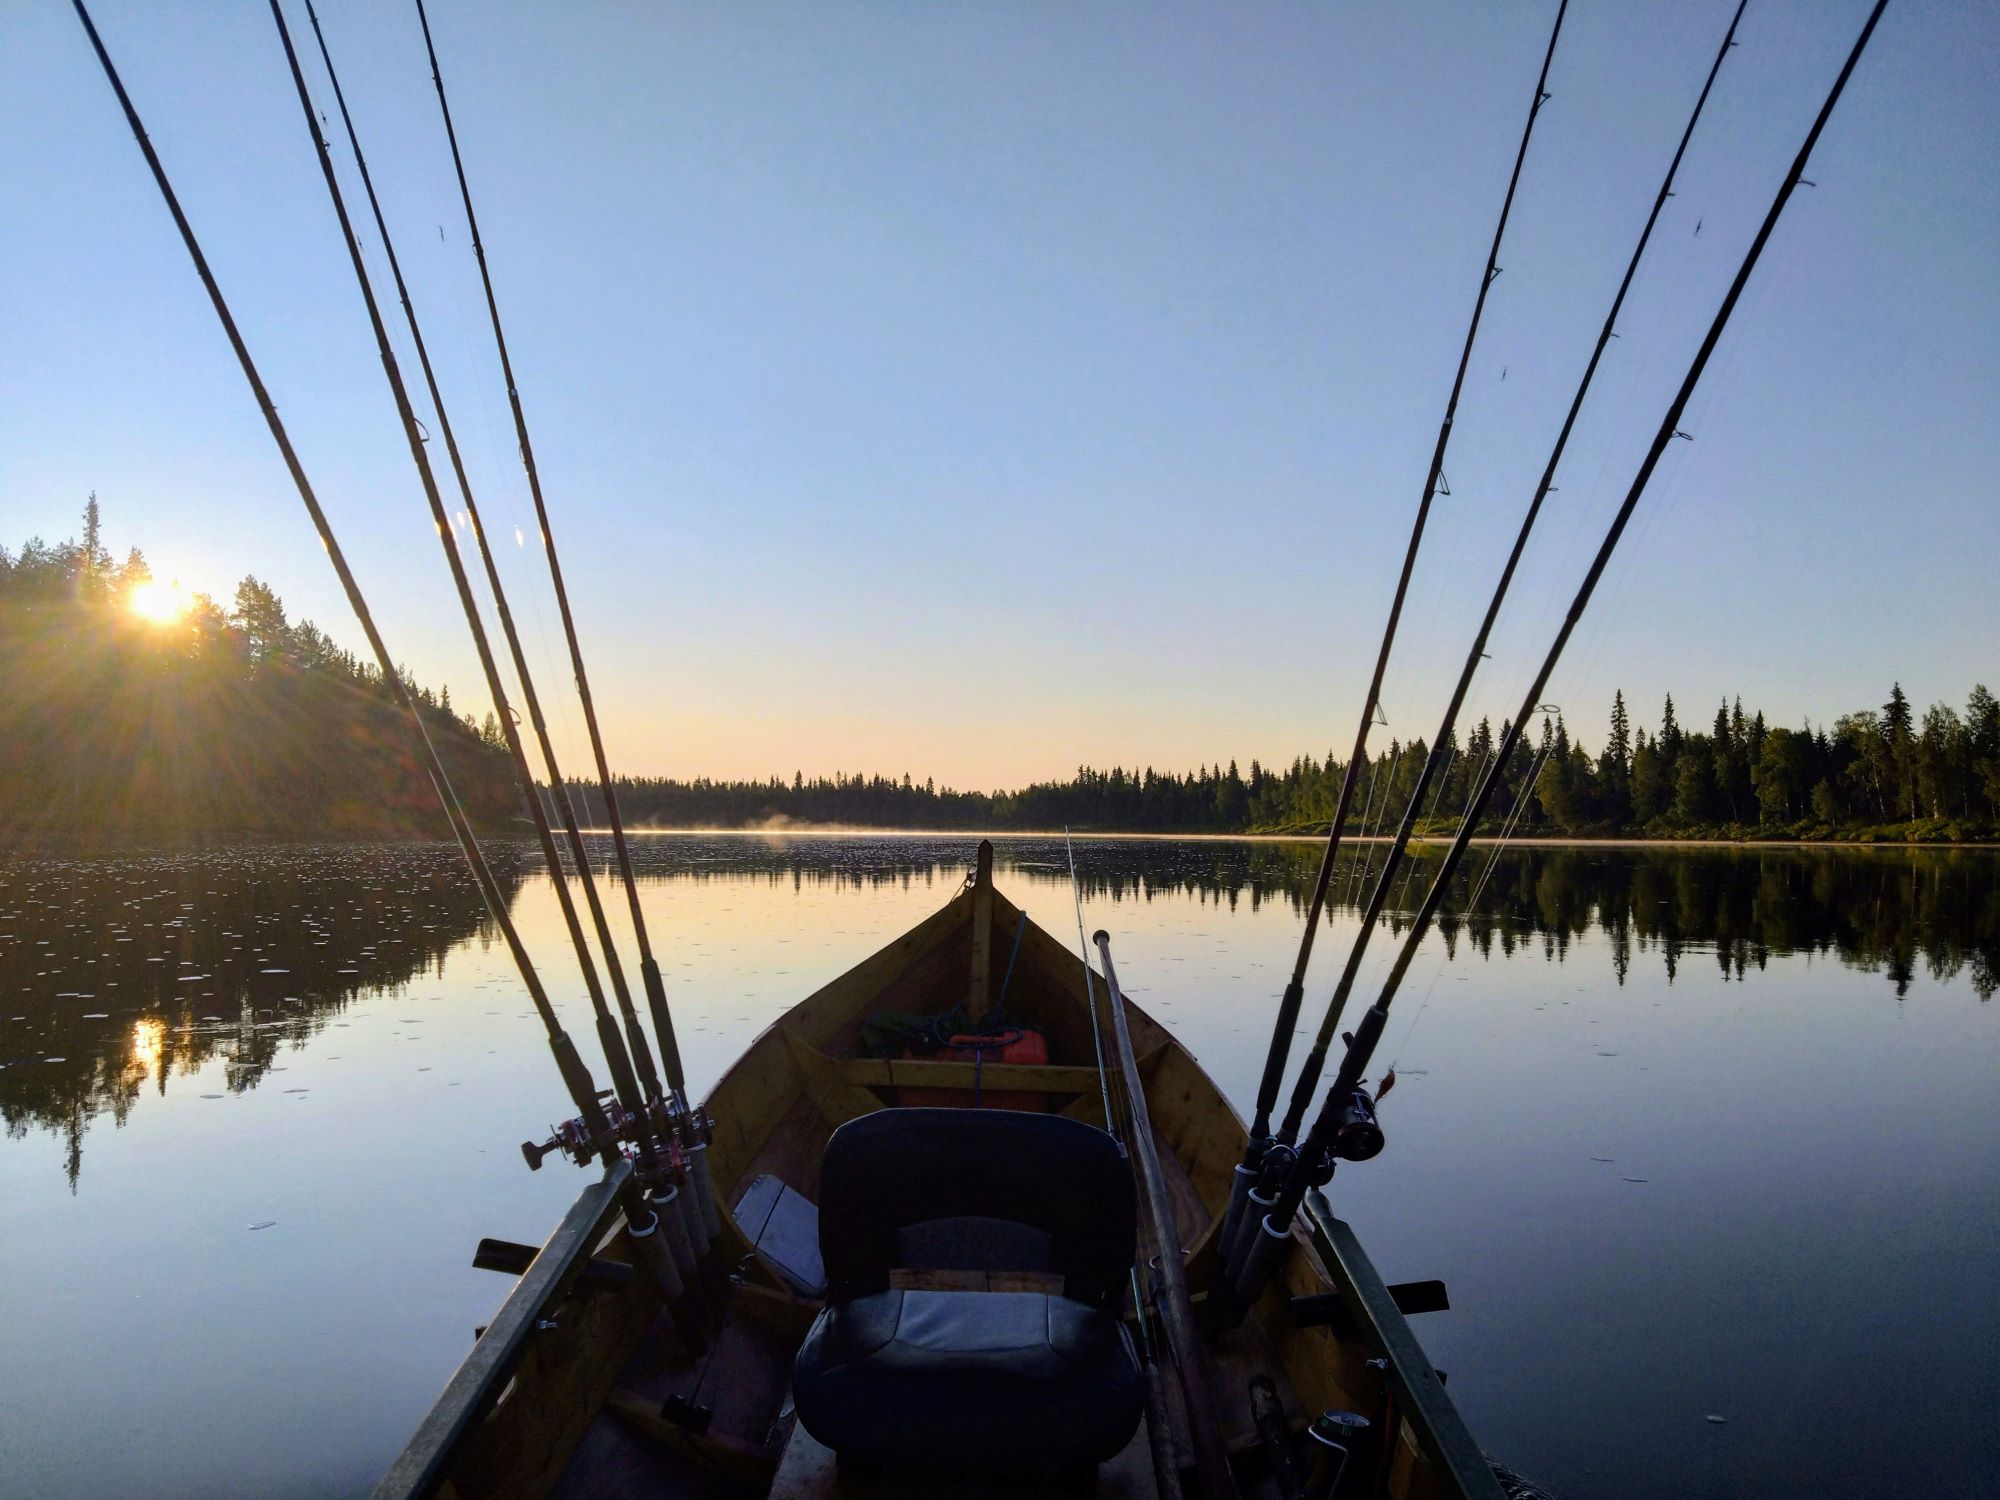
(580, 1388)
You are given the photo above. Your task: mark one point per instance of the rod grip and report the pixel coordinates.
(1267, 1253)
(582, 1090)
(1241, 1180)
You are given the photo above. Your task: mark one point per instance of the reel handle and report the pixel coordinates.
(533, 1154)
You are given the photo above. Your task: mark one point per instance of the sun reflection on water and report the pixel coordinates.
(149, 1038)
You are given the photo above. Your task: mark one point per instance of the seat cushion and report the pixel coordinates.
(1008, 1381)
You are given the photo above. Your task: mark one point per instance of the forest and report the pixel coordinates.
(1874, 774)
(130, 714)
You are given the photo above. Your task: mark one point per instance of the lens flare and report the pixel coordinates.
(157, 602)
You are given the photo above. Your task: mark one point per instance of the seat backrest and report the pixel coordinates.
(984, 1189)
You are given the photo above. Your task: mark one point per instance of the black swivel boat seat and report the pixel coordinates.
(1018, 1383)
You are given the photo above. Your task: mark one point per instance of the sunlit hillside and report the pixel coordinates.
(131, 710)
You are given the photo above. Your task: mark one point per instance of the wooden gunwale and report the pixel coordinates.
(1431, 1416)
(477, 1383)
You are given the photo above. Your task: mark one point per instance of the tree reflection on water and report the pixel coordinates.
(120, 974)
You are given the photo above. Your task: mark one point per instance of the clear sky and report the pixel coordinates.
(979, 390)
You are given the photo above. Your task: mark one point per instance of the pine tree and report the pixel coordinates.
(96, 562)
(1618, 750)
(1614, 767)
(1896, 729)
(1726, 759)
(1982, 727)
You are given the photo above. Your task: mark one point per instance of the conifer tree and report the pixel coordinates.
(1896, 731)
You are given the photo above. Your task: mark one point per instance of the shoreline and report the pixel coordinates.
(1438, 840)
(60, 850)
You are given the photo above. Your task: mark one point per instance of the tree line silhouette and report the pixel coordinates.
(205, 724)
(1874, 774)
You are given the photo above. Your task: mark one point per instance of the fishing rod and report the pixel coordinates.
(1279, 1157)
(634, 1120)
(642, 1223)
(1345, 1127)
(1287, 1019)
(649, 968)
(661, 1119)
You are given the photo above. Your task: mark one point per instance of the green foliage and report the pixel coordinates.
(1742, 780)
(208, 726)
(244, 723)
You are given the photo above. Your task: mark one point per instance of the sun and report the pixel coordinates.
(157, 602)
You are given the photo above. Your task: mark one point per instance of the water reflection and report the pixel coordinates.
(121, 974)
(117, 975)
(1891, 911)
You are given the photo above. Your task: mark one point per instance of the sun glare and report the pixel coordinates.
(160, 603)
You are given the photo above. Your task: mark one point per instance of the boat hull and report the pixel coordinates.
(582, 1390)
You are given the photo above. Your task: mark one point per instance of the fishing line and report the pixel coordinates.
(1286, 1020)
(1351, 886)
(1309, 1072)
(1507, 828)
(560, 802)
(1089, 985)
(1714, 395)
(1338, 1130)
(642, 1223)
(1443, 779)
(649, 968)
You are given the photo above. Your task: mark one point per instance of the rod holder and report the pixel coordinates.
(1334, 1436)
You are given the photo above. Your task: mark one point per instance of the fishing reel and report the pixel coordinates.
(1273, 1167)
(572, 1138)
(674, 1130)
(1358, 1136)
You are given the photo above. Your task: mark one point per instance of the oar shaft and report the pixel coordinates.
(1178, 1306)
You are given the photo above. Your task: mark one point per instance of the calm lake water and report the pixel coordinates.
(1691, 1134)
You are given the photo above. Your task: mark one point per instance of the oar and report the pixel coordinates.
(1166, 1469)
(1211, 1458)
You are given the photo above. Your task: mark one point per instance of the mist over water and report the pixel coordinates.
(1689, 1133)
